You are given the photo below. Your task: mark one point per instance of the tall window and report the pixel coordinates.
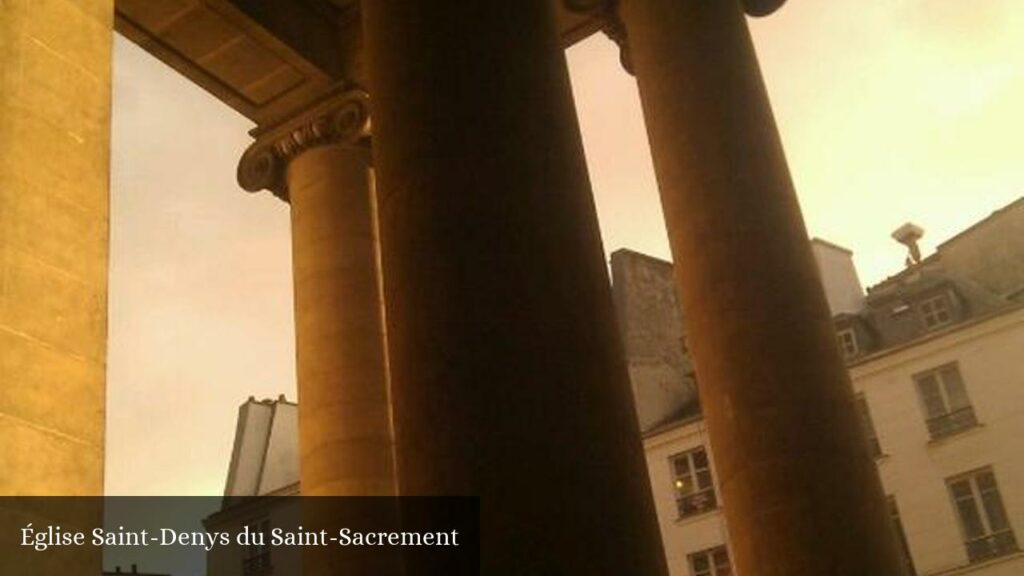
(987, 532)
(947, 407)
(848, 343)
(935, 311)
(894, 515)
(695, 491)
(711, 562)
(874, 446)
(256, 556)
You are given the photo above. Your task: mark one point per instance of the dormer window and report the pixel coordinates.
(848, 342)
(936, 311)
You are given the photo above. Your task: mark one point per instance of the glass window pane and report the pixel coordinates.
(700, 459)
(721, 557)
(994, 511)
(682, 465)
(955, 390)
(970, 518)
(986, 481)
(961, 489)
(693, 483)
(684, 485)
(932, 397)
(865, 417)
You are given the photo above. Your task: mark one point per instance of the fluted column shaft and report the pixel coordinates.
(320, 162)
(507, 374)
(801, 494)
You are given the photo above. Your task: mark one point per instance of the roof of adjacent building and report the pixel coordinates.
(265, 458)
(973, 276)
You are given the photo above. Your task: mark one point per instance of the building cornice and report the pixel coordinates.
(1000, 319)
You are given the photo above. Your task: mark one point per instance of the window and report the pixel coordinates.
(986, 530)
(848, 342)
(874, 446)
(256, 556)
(894, 515)
(712, 562)
(935, 311)
(691, 475)
(947, 408)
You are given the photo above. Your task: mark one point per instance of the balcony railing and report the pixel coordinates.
(952, 423)
(697, 503)
(991, 546)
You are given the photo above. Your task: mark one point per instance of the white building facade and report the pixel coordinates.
(957, 487)
(936, 359)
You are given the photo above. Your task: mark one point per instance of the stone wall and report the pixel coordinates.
(651, 326)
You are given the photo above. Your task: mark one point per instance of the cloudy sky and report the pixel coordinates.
(890, 111)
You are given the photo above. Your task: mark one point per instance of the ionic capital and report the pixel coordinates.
(344, 118)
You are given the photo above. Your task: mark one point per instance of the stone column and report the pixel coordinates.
(55, 82)
(801, 494)
(320, 162)
(507, 374)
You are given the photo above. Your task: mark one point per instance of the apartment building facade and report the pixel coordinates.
(936, 359)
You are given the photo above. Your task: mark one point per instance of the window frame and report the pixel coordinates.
(986, 546)
(697, 492)
(256, 557)
(868, 425)
(711, 556)
(901, 535)
(930, 313)
(849, 347)
(950, 422)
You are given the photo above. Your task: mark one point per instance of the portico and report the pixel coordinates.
(454, 323)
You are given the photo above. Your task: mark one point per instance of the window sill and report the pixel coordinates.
(683, 520)
(978, 566)
(976, 428)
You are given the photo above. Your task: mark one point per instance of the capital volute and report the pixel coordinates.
(342, 119)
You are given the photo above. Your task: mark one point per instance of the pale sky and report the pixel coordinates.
(890, 111)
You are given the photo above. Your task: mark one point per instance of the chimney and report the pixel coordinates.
(843, 289)
(908, 235)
